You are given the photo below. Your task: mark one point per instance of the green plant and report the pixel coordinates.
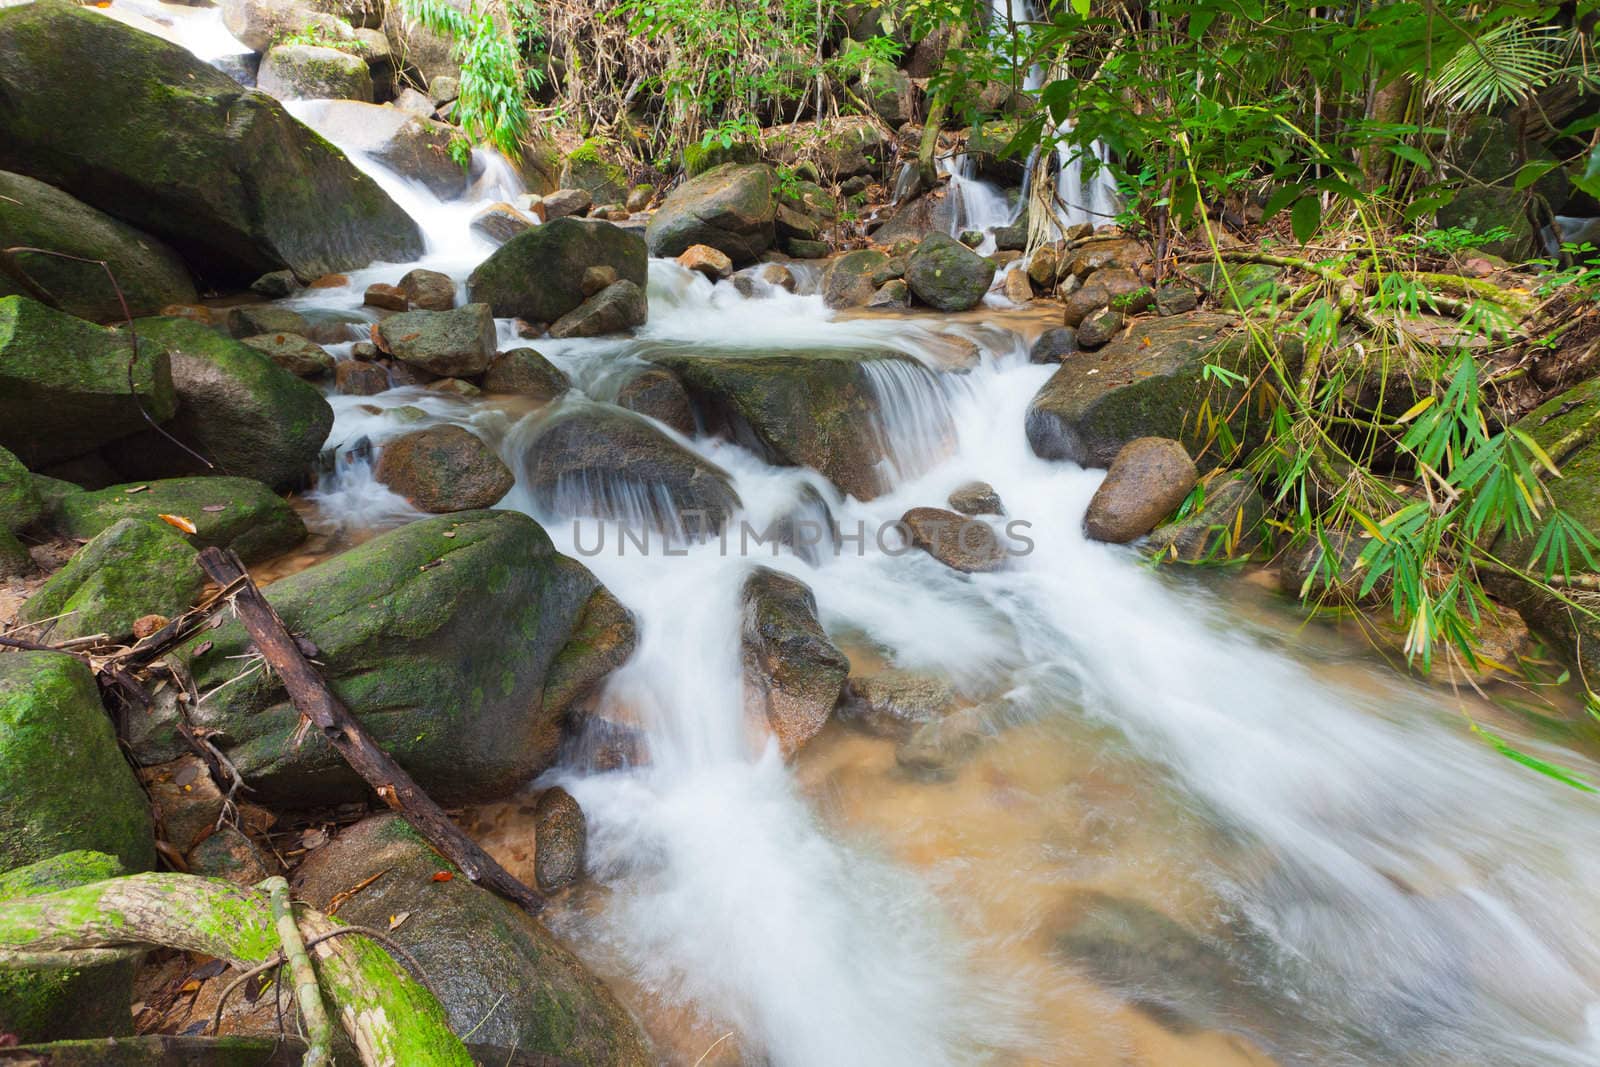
(492, 105)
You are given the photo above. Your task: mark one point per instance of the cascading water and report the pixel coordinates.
(1390, 891)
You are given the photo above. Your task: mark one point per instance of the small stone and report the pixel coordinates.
(1044, 268)
(894, 293)
(365, 351)
(500, 223)
(1054, 344)
(894, 704)
(1016, 287)
(525, 372)
(614, 309)
(253, 320)
(639, 197)
(976, 498)
(429, 290)
(275, 285)
(358, 378)
(530, 330)
(708, 261)
(329, 281)
(1149, 477)
(958, 541)
(1099, 328)
(443, 89)
(387, 297)
(560, 840)
(972, 238)
(1175, 300)
(295, 354)
(145, 625)
(455, 386)
(564, 202)
(597, 278)
(444, 468)
(803, 249)
(888, 271)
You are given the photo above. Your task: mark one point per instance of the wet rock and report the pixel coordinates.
(840, 149)
(34, 215)
(386, 297)
(615, 309)
(935, 749)
(601, 462)
(892, 294)
(1226, 524)
(759, 281)
(185, 801)
(64, 384)
(801, 249)
(500, 223)
(565, 202)
(455, 386)
(793, 675)
(896, 703)
(1044, 268)
(500, 975)
(1113, 287)
(251, 320)
(1053, 345)
(889, 91)
(595, 167)
(598, 278)
(731, 208)
(525, 372)
(1013, 238)
(1150, 384)
(538, 275)
(133, 568)
(235, 513)
(658, 395)
(258, 24)
(707, 260)
(443, 343)
(414, 147)
(1326, 570)
(1235, 286)
(444, 468)
(1097, 329)
(814, 408)
(1149, 477)
(293, 353)
(976, 498)
(353, 378)
(560, 840)
(441, 636)
(849, 280)
(928, 214)
(1016, 287)
(137, 126)
(958, 541)
(429, 290)
(71, 1004)
(54, 730)
(311, 72)
(1098, 254)
(639, 197)
(276, 285)
(889, 270)
(947, 275)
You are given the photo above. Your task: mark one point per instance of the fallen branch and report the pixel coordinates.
(316, 702)
(307, 994)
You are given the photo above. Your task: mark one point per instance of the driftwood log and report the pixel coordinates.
(313, 699)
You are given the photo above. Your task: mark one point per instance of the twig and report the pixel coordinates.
(319, 1031)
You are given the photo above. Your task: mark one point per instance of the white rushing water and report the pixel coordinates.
(1406, 896)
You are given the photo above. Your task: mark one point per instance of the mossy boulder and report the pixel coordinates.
(699, 158)
(20, 503)
(414, 147)
(815, 408)
(593, 167)
(1149, 383)
(440, 636)
(235, 513)
(36, 215)
(1236, 286)
(599, 461)
(947, 275)
(455, 343)
(134, 568)
(617, 308)
(63, 782)
(538, 275)
(1490, 154)
(237, 408)
(140, 128)
(731, 208)
(72, 1003)
(312, 72)
(64, 382)
(501, 977)
(889, 91)
(444, 468)
(298, 355)
(793, 675)
(850, 280)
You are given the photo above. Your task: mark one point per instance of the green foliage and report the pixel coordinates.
(492, 107)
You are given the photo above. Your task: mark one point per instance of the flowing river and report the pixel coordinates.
(1192, 829)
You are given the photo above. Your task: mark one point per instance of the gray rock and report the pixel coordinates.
(429, 290)
(444, 343)
(731, 208)
(1053, 345)
(560, 840)
(947, 275)
(525, 372)
(615, 309)
(538, 275)
(444, 468)
(793, 675)
(293, 353)
(311, 72)
(851, 279)
(958, 541)
(1098, 329)
(413, 146)
(895, 704)
(976, 498)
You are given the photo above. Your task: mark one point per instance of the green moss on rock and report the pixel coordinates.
(135, 567)
(235, 513)
(538, 274)
(20, 504)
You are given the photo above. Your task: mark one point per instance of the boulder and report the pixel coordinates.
(451, 639)
(958, 541)
(793, 675)
(444, 468)
(707, 260)
(1235, 286)
(525, 372)
(813, 408)
(564, 202)
(64, 386)
(1113, 287)
(71, 1003)
(276, 285)
(538, 275)
(20, 502)
(131, 569)
(141, 128)
(1226, 525)
(849, 146)
(235, 513)
(615, 309)
(311, 72)
(253, 320)
(35, 215)
(413, 147)
(355, 378)
(291, 352)
(658, 395)
(731, 208)
(593, 167)
(501, 977)
(1149, 477)
(895, 704)
(1098, 254)
(851, 280)
(385, 297)
(1150, 384)
(947, 275)
(430, 54)
(15, 560)
(764, 280)
(237, 408)
(560, 840)
(443, 343)
(976, 498)
(889, 91)
(1016, 287)
(928, 214)
(893, 294)
(259, 24)
(63, 782)
(1053, 345)
(602, 462)
(429, 290)
(501, 222)
(1097, 329)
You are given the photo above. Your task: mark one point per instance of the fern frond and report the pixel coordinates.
(1504, 64)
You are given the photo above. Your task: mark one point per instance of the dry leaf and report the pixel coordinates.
(202, 648)
(179, 521)
(396, 920)
(313, 838)
(442, 876)
(215, 507)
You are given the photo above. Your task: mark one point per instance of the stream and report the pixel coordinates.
(1194, 830)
